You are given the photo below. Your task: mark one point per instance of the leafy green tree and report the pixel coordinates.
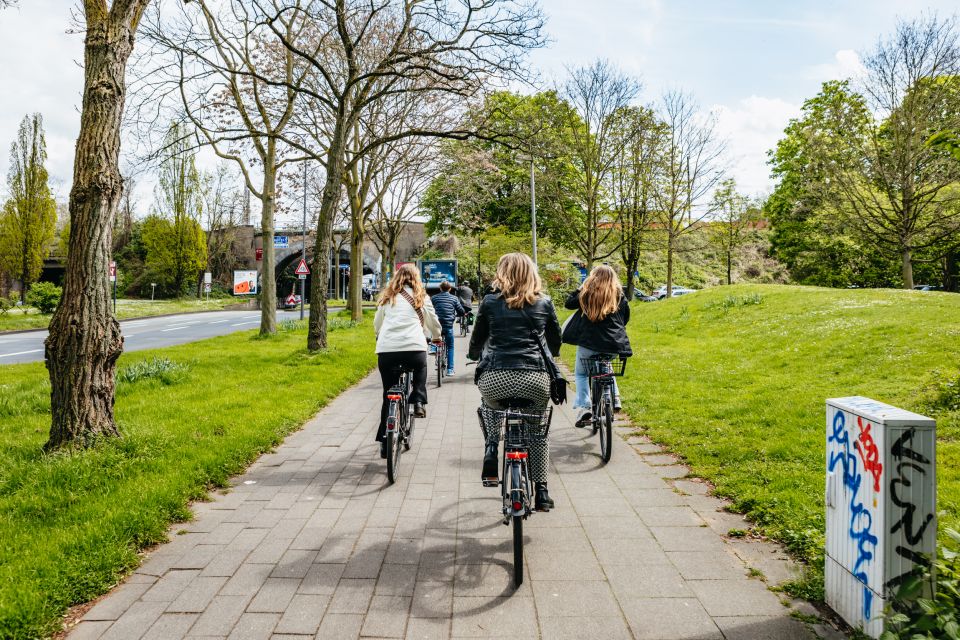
(45, 296)
(732, 223)
(29, 217)
(177, 250)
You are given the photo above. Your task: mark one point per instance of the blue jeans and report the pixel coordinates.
(580, 373)
(448, 340)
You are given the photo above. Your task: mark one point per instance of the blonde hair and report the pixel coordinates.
(406, 276)
(518, 280)
(600, 293)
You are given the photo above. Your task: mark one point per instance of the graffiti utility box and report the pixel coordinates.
(881, 505)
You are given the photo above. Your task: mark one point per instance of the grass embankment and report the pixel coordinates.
(71, 524)
(734, 380)
(16, 320)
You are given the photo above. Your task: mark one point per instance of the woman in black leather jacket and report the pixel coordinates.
(511, 365)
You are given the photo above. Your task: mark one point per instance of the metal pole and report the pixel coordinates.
(303, 283)
(533, 208)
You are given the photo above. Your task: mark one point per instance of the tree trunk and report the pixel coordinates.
(729, 267)
(355, 290)
(268, 280)
(669, 266)
(907, 268)
(85, 340)
(631, 283)
(317, 331)
(336, 272)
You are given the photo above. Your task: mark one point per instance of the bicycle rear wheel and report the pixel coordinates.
(606, 428)
(441, 357)
(517, 550)
(408, 435)
(393, 456)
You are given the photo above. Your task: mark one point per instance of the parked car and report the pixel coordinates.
(926, 287)
(290, 302)
(642, 297)
(661, 293)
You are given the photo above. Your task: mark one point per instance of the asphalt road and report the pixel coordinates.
(146, 333)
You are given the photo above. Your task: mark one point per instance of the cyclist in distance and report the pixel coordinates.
(404, 317)
(465, 293)
(598, 326)
(511, 365)
(448, 308)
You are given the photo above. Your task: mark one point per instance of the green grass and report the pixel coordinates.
(734, 380)
(191, 416)
(17, 320)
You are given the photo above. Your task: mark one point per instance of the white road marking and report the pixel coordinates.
(219, 321)
(19, 353)
(240, 324)
(183, 326)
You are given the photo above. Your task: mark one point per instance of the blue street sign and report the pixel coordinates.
(280, 242)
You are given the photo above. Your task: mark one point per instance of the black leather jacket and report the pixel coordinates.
(502, 337)
(607, 336)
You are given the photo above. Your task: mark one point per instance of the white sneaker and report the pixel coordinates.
(583, 418)
(451, 373)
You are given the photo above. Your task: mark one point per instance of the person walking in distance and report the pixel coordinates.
(404, 318)
(448, 308)
(598, 326)
(510, 363)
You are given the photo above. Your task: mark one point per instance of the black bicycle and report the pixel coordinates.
(602, 368)
(520, 428)
(400, 419)
(440, 352)
(464, 321)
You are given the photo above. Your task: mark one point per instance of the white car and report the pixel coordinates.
(661, 293)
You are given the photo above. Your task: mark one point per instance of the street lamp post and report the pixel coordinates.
(303, 255)
(533, 208)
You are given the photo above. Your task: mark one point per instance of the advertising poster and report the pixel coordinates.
(433, 272)
(244, 283)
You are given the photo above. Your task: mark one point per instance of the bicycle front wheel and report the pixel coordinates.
(606, 429)
(517, 550)
(440, 359)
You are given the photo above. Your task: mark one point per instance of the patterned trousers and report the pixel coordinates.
(499, 385)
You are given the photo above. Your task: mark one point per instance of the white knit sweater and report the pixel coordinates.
(398, 327)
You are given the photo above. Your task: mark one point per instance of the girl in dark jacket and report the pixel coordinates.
(511, 365)
(598, 326)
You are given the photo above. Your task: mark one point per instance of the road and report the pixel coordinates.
(146, 333)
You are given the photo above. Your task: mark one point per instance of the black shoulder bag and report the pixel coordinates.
(558, 384)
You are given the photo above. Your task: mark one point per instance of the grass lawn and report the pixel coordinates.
(17, 320)
(71, 524)
(734, 380)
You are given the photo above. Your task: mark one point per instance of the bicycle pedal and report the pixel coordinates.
(487, 482)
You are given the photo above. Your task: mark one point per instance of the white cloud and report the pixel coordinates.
(846, 64)
(751, 127)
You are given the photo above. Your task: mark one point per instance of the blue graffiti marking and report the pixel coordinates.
(861, 520)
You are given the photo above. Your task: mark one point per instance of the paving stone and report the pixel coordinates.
(428, 628)
(89, 629)
(352, 596)
(340, 626)
(386, 617)
(763, 628)
(135, 620)
(432, 600)
(687, 539)
(254, 626)
(585, 628)
(171, 626)
(486, 617)
(544, 565)
(119, 600)
(736, 597)
(669, 619)
(197, 595)
(220, 616)
(577, 599)
(647, 581)
(274, 596)
(707, 565)
(247, 580)
(303, 615)
(321, 579)
(169, 587)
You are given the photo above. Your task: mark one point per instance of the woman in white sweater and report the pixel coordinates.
(405, 318)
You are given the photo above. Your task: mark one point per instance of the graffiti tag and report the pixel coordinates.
(908, 459)
(861, 519)
(869, 454)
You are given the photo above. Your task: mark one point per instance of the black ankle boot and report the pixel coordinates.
(490, 466)
(543, 502)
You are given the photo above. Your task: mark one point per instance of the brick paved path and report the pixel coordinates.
(312, 542)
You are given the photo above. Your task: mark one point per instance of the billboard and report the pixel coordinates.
(433, 272)
(244, 283)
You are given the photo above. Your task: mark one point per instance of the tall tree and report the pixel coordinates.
(691, 170)
(903, 191)
(238, 86)
(731, 222)
(28, 219)
(362, 52)
(596, 93)
(84, 341)
(640, 137)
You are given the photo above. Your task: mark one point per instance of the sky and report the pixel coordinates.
(751, 62)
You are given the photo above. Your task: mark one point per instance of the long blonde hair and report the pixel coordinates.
(406, 276)
(518, 280)
(600, 293)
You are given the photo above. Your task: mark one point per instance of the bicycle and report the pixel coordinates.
(400, 420)
(520, 430)
(464, 323)
(440, 351)
(601, 368)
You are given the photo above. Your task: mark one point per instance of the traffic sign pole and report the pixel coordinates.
(303, 255)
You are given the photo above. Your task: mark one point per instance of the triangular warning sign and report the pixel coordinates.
(302, 268)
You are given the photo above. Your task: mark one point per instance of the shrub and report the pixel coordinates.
(927, 605)
(163, 369)
(45, 296)
(6, 304)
